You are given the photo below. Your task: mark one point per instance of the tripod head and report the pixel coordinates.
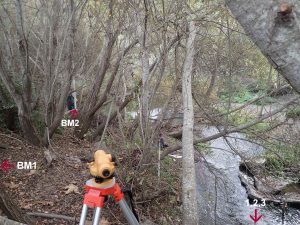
(103, 167)
(101, 186)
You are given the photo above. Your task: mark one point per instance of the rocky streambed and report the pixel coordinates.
(228, 193)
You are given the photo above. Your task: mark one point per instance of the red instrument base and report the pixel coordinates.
(95, 197)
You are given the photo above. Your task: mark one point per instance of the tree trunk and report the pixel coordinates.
(86, 122)
(113, 115)
(11, 209)
(276, 33)
(24, 113)
(190, 209)
(211, 83)
(26, 124)
(130, 96)
(5, 221)
(142, 30)
(60, 107)
(22, 98)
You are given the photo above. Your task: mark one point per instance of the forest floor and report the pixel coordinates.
(59, 188)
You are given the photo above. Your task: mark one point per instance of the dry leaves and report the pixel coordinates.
(44, 203)
(103, 221)
(26, 205)
(11, 185)
(71, 188)
(31, 172)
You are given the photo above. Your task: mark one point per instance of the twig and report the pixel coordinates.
(106, 124)
(51, 215)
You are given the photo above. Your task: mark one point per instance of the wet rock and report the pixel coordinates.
(253, 165)
(260, 186)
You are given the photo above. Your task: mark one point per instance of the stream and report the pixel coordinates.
(222, 199)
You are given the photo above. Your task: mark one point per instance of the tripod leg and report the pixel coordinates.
(97, 216)
(128, 213)
(83, 214)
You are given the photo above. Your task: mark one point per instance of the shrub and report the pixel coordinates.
(280, 156)
(293, 113)
(240, 96)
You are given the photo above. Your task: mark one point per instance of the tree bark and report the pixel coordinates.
(277, 35)
(22, 98)
(24, 112)
(5, 221)
(59, 110)
(190, 209)
(142, 29)
(86, 122)
(130, 96)
(11, 209)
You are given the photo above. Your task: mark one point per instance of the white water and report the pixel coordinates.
(153, 114)
(230, 205)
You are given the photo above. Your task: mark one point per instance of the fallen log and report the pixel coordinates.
(253, 193)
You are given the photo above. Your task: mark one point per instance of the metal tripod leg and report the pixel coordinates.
(96, 217)
(128, 213)
(83, 214)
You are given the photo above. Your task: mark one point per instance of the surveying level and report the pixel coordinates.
(101, 186)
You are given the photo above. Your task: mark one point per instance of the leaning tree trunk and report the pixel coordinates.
(274, 27)
(5, 221)
(190, 209)
(12, 210)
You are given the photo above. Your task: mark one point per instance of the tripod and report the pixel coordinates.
(95, 198)
(101, 186)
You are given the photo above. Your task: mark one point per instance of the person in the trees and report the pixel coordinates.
(70, 102)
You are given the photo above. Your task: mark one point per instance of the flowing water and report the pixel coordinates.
(221, 197)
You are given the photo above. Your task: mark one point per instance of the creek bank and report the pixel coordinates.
(274, 189)
(221, 196)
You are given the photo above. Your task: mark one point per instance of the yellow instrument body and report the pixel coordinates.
(103, 166)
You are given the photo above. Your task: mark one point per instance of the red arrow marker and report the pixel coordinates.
(6, 166)
(256, 218)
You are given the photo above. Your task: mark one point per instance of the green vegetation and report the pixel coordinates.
(244, 95)
(239, 118)
(240, 96)
(281, 156)
(203, 148)
(293, 113)
(167, 171)
(261, 127)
